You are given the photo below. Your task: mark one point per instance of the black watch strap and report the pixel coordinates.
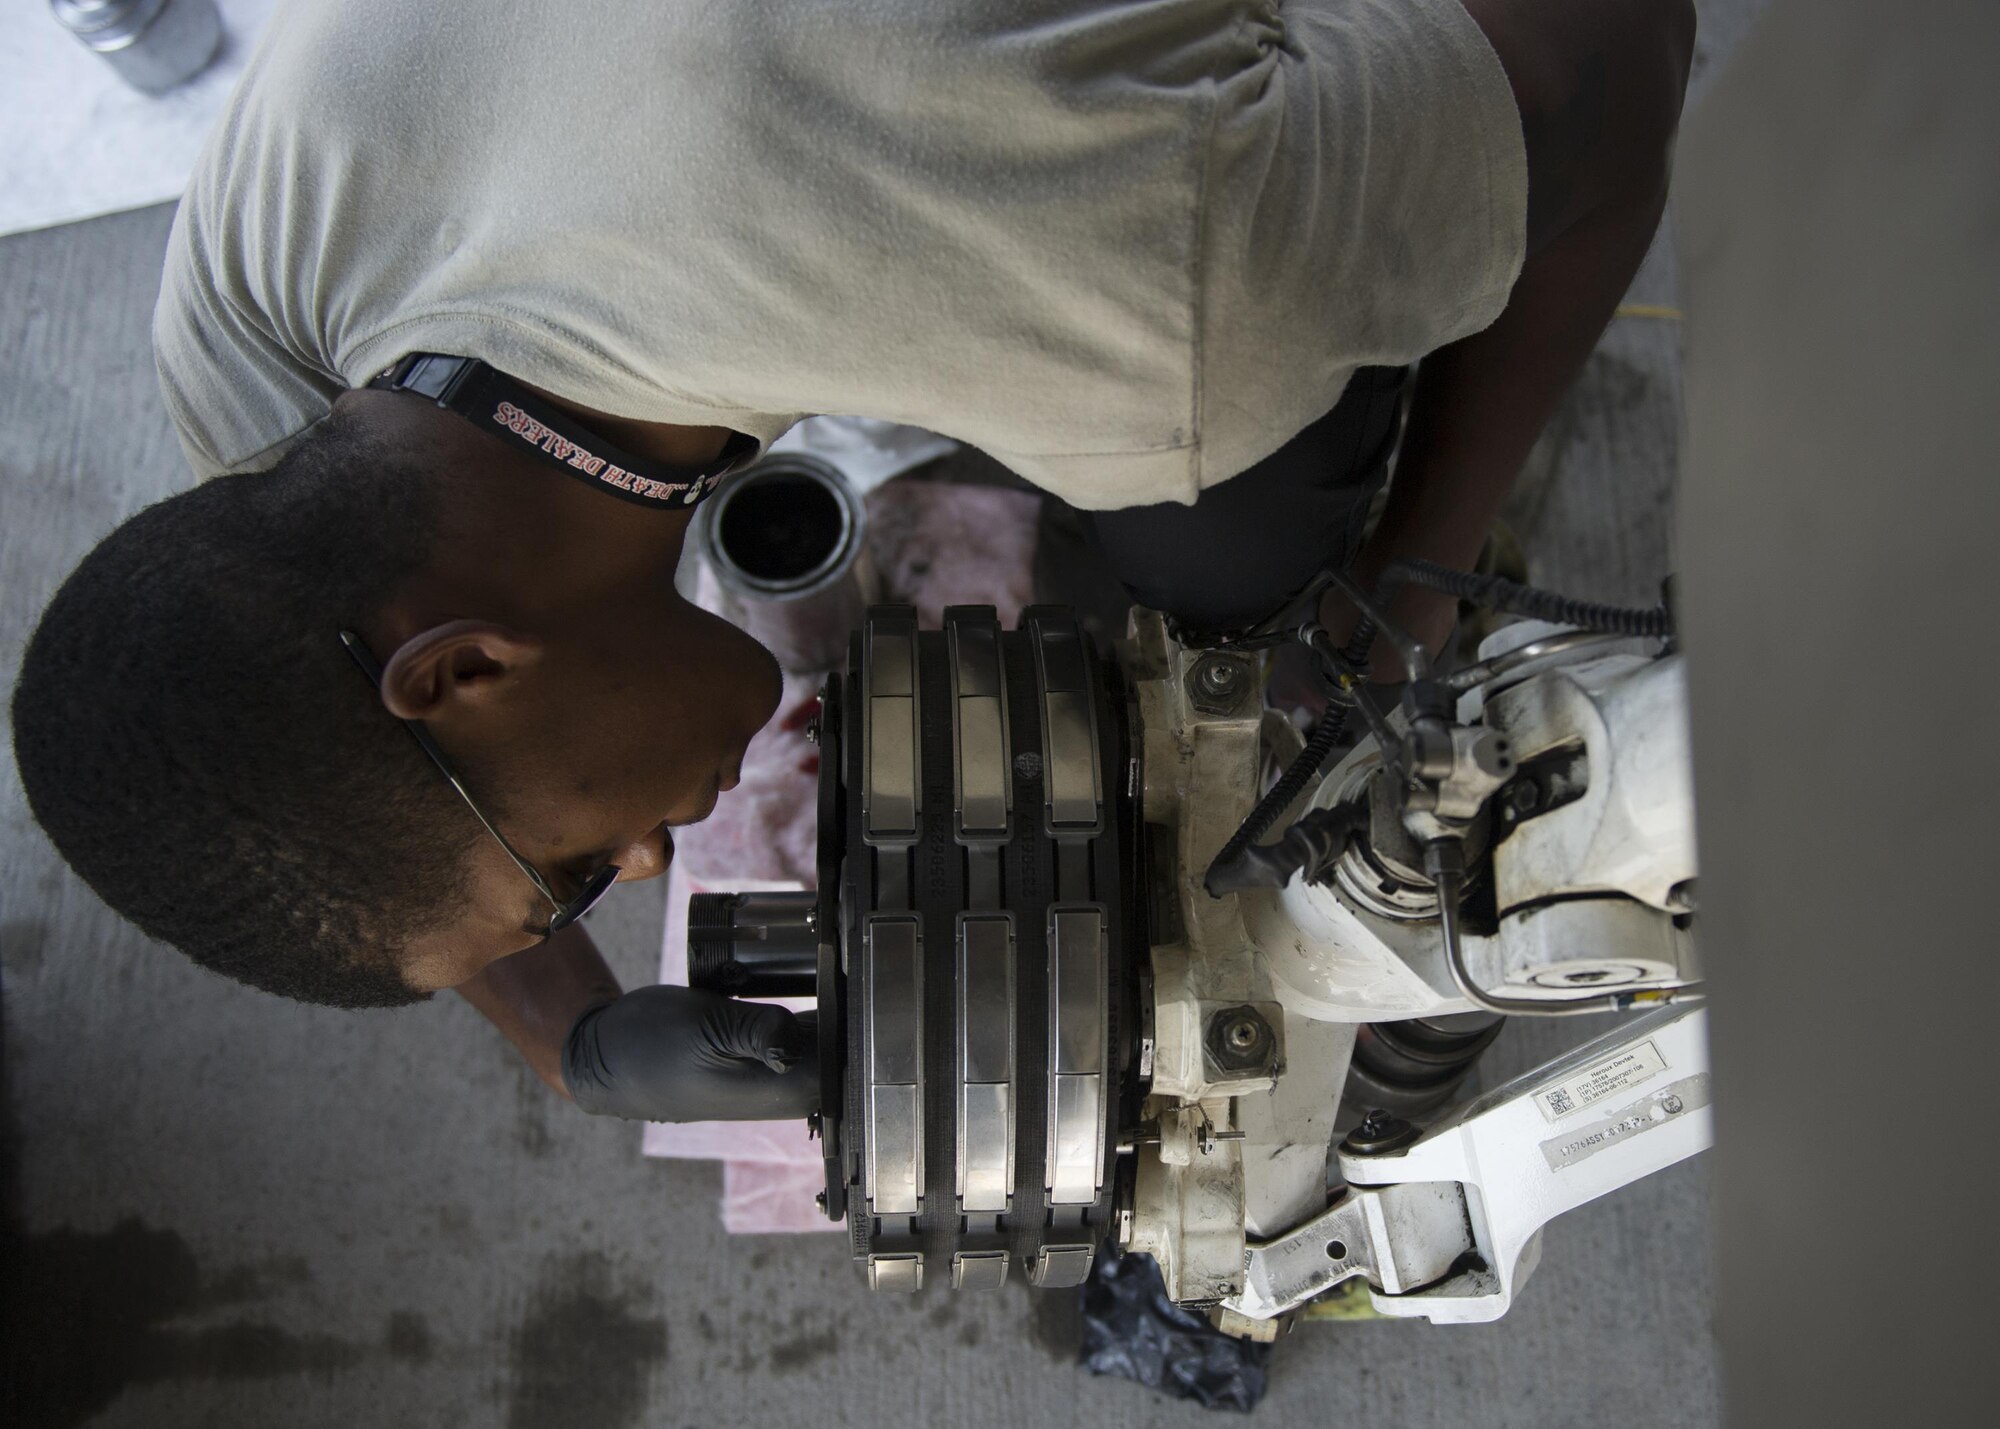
(496, 403)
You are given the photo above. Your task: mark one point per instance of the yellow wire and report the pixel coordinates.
(1647, 310)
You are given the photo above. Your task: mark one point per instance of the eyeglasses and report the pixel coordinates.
(594, 888)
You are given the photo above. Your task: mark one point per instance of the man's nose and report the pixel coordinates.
(647, 857)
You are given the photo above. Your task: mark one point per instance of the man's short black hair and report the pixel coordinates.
(197, 742)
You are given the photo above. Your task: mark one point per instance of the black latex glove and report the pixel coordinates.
(681, 1054)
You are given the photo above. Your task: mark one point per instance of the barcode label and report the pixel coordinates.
(1626, 1068)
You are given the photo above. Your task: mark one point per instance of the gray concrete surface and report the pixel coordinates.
(225, 1210)
(1842, 226)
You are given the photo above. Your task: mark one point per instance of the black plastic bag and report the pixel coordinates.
(1133, 1331)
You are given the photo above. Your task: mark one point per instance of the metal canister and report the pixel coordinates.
(153, 44)
(787, 541)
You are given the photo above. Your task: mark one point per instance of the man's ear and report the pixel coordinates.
(459, 663)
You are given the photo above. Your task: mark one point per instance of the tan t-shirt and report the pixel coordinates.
(1128, 249)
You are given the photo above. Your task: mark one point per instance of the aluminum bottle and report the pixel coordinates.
(787, 541)
(153, 44)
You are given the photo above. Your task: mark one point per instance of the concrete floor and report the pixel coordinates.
(225, 1210)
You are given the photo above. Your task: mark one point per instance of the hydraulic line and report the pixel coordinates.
(1444, 862)
(1385, 736)
(1472, 676)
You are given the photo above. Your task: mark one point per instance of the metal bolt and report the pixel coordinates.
(812, 731)
(1217, 683)
(819, 1199)
(1220, 677)
(1380, 1132)
(1239, 1040)
(1209, 1137)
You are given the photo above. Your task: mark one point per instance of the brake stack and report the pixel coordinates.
(972, 861)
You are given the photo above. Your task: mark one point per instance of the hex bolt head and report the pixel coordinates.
(1217, 682)
(1240, 1040)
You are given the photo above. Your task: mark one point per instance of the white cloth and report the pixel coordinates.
(80, 141)
(1126, 248)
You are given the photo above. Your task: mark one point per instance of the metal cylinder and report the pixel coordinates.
(1414, 1067)
(786, 541)
(153, 44)
(753, 944)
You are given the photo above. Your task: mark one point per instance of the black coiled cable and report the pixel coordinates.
(1499, 593)
(1227, 870)
(1316, 840)
(1240, 864)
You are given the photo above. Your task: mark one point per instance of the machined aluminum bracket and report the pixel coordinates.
(1449, 1228)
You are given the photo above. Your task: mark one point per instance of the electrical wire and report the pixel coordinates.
(1226, 868)
(1416, 660)
(1316, 840)
(1499, 593)
(1378, 725)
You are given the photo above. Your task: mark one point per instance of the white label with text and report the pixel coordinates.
(1593, 1084)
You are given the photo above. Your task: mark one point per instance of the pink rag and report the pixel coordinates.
(934, 545)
